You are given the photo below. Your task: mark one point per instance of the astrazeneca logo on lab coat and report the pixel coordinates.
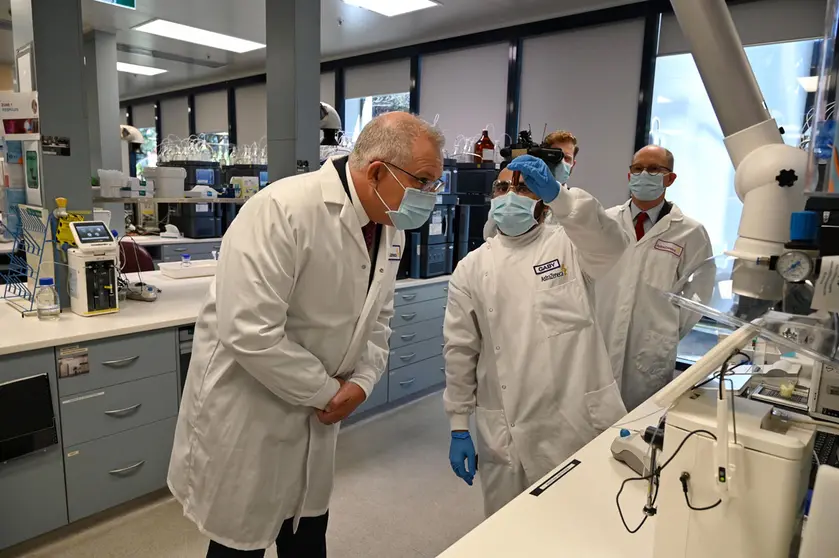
(554, 270)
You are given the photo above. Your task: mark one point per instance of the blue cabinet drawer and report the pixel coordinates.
(409, 380)
(377, 398)
(410, 295)
(416, 332)
(117, 360)
(418, 312)
(112, 470)
(93, 415)
(415, 352)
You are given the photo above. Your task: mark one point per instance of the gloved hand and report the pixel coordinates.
(538, 176)
(462, 449)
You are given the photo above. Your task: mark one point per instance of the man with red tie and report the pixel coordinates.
(668, 251)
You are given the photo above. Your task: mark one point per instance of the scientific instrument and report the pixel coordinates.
(631, 449)
(93, 269)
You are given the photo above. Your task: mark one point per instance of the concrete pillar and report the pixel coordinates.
(102, 88)
(293, 89)
(55, 29)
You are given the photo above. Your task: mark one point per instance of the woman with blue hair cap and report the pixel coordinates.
(523, 350)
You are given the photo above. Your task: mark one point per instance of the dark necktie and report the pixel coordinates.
(369, 232)
(639, 225)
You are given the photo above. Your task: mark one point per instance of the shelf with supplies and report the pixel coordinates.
(238, 201)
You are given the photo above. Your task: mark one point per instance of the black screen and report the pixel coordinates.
(27, 421)
(93, 232)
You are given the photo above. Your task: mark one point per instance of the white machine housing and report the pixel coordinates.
(94, 265)
(824, 392)
(769, 475)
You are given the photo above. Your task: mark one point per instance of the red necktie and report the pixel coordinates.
(369, 232)
(639, 225)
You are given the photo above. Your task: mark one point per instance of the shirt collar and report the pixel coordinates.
(363, 219)
(651, 213)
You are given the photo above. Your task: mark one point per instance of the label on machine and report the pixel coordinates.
(826, 296)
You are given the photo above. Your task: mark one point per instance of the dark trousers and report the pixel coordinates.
(308, 542)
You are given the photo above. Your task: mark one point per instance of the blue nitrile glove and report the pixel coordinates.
(462, 449)
(538, 176)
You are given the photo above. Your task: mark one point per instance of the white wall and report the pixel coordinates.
(174, 117)
(211, 112)
(251, 114)
(468, 89)
(377, 79)
(767, 21)
(327, 88)
(587, 81)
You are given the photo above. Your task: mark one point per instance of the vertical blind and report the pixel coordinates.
(211, 112)
(327, 88)
(174, 116)
(587, 81)
(378, 79)
(465, 109)
(251, 114)
(143, 116)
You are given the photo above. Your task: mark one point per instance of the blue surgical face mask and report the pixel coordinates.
(414, 210)
(513, 213)
(562, 172)
(646, 186)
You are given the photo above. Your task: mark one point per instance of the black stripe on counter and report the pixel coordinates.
(570, 466)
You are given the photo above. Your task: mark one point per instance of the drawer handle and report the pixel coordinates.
(406, 358)
(445, 289)
(443, 370)
(408, 337)
(409, 296)
(406, 383)
(409, 317)
(127, 469)
(179, 249)
(122, 412)
(217, 247)
(121, 362)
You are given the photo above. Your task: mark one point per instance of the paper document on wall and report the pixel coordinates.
(826, 296)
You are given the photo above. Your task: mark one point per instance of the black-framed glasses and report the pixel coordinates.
(654, 170)
(501, 187)
(426, 184)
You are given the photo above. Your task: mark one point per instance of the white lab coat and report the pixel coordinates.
(641, 328)
(288, 312)
(523, 350)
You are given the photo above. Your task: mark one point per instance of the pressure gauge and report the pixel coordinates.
(794, 266)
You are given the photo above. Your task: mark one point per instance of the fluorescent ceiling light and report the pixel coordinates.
(392, 8)
(197, 36)
(810, 84)
(137, 69)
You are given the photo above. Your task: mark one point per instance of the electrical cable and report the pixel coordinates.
(618, 503)
(684, 478)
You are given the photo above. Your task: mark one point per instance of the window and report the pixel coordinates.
(358, 112)
(684, 121)
(149, 157)
(219, 144)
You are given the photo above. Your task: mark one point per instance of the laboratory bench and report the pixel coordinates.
(110, 390)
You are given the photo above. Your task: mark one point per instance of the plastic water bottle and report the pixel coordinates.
(46, 300)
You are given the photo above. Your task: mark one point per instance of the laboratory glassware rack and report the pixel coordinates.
(31, 238)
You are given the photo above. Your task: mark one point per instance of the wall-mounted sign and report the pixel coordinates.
(130, 4)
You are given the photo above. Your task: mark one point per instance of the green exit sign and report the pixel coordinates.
(130, 4)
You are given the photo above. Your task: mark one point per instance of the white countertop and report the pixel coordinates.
(158, 241)
(577, 515)
(6, 247)
(177, 304)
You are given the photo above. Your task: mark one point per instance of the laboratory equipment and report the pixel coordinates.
(171, 232)
(168, 182)
(330, 124)
(186, 260)
(429, 250)
(93, 269)
(46, 300)
(823, 400)
(198, 268)
(631, 449)
(471, 184)
(194, 220)
(27, 419)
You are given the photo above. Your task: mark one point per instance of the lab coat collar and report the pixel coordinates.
(333, 194)
(363, 219)
(522, 240)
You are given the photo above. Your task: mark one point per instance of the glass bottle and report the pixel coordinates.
(485, 149)
(46, 300)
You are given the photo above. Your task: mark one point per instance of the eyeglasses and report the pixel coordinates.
(426, 185)
(652, 169)
(501, 187)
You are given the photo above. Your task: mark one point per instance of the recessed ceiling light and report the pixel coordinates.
(392, 8)
(810, 84)
(137, 69)
(197, 36)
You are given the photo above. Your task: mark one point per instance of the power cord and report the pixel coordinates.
(684, 478)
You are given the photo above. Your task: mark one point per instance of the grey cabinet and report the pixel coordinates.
(416, 332)
(122, 359)
(113, 409)
(32, 496)
(118, 468)
(410, 295)
(410, 354)
(377, 398)
(415, 378)
(418, 312)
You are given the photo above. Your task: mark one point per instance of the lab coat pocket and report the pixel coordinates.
(605, 406)
(493, 436)
(657, 354)
(562, 309)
